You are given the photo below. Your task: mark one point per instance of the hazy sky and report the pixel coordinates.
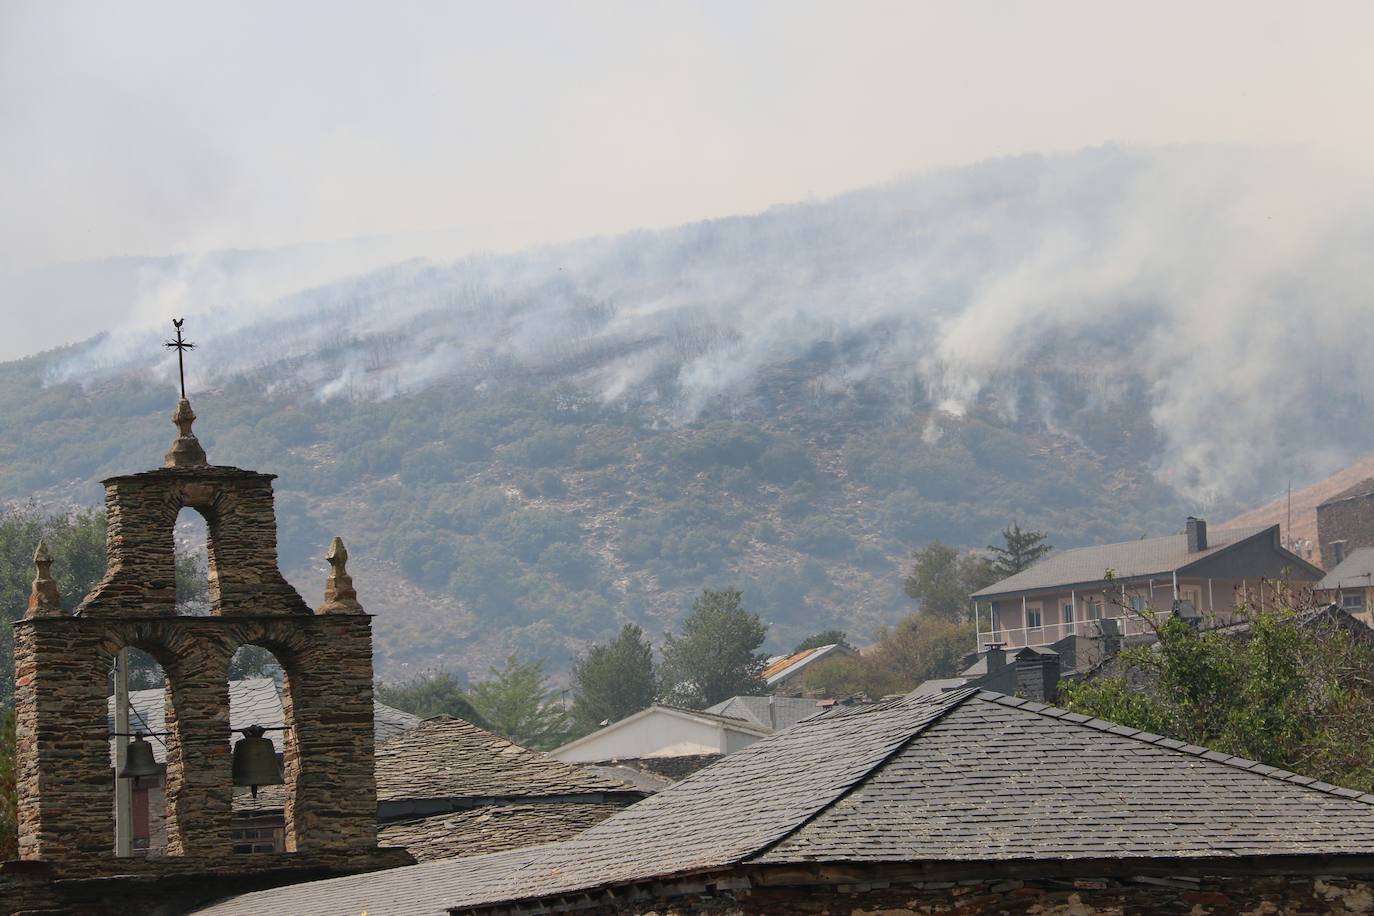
(152, 128)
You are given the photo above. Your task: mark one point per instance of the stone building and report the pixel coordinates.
(969, 802)
(63, 662)
(1345, 523)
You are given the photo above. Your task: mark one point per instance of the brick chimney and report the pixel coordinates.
(1037, 675)
(1197, 534)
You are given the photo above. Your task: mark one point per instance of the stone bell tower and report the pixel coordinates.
(62, 662)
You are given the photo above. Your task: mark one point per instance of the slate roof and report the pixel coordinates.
(1363, 488)
(1129, 560)
(492, 828)
(1355, 571)
(449, 758)
(252, 701)
(981, 775)
(773, 713)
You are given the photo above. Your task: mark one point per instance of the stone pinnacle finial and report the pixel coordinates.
(339, 596)
(186, 451)
(44, 600)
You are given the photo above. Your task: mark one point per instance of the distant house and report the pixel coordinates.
(666, 741)
(783, 673)
(1345, 523)
(969, 802)
(1199, 574)
(1350, 585)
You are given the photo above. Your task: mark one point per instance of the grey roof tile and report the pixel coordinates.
(492, 828)
(1127, 560)
(983, 775)
(445, 757)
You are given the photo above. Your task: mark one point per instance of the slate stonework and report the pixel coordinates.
(1347, 519)
(1277, 896)
(62, 663)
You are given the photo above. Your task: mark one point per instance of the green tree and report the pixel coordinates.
(1019, 551)
(438, 694)
(717, 656)
(942, 579)
(519, 705)
(9, 796)
(823, 638)
(613, 680)
(918, 648)
(1291, 691)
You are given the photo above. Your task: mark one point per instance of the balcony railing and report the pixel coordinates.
(1123, 623)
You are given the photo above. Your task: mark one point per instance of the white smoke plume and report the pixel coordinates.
(1231, 283)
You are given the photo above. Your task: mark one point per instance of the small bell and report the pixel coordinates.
(255, 760)
(138, 760)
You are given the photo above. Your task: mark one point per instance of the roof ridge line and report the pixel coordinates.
(950, 701)
(1193, 750)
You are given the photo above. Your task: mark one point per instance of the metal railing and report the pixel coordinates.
(1121, 624)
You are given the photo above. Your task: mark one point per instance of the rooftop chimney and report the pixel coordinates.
(1197, 534)
(996, 656)
(1037, 675)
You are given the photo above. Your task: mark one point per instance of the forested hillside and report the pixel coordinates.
(525, 451)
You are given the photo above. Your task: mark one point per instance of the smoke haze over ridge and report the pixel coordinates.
(1227, 281)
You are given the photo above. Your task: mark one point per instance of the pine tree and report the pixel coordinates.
(613, 680)
(518, 705)
(1020, 551)
(717, 656)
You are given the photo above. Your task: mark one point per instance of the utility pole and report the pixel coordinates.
(124, 790)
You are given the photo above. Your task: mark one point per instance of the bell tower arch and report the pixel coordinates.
(62, 660)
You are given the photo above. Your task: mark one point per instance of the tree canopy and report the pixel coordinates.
(717, 656)
(613, 680)
(516, 702)
(941, 579)
(437, 694)
(919, 647)
(823, 638)
(1019, 550)
(1292, 690)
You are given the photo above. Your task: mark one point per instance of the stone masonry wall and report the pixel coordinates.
(242, 543)
(1350, 520)
(1271, 896)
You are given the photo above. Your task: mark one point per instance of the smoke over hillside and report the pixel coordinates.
(1229, 286)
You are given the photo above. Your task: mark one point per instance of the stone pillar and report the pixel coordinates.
(331, 710)
(199, 769)
(64, 777)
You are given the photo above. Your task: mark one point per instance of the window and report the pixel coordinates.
(996, 619)
(1138, 603)
(1352, 602)
(1094, 610)
(1068, 613)
(1032, 616)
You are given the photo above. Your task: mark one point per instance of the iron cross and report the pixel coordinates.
(181, 346)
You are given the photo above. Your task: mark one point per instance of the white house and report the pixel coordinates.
(663, 732)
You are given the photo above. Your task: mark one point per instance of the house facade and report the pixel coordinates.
(1345, 523)
(1350, 585)
(1107, 591)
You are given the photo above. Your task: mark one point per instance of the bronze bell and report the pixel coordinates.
(138, 760)
(255, 760)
